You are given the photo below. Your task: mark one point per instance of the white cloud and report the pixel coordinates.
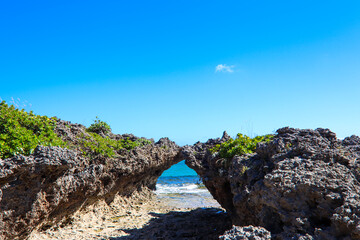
(224, 68)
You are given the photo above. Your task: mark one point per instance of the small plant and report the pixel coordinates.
(99, 127)
(165, 147)
(143, 141)
(96, 146)
(21, 132)
(242, 144)
(243, 170)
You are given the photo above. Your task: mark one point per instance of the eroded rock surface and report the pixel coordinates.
(302, 185)
(52, 183)
(246, 233)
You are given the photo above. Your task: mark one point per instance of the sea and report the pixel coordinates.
(181, 187)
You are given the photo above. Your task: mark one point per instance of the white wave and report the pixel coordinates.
(173, 188)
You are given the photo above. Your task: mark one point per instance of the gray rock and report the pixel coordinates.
(48, 186)
(246, 233)
(302, 185)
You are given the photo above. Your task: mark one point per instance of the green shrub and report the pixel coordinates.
(21, 132)
(143, 142)
(96, 146)
(242, 144)
(99, 127)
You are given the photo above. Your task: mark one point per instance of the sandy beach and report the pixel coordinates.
(137, 217)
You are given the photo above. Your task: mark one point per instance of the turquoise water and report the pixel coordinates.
(179, 169)
(181, 187)
(178, 179)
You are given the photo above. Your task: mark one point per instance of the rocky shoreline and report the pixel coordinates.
(303, 184)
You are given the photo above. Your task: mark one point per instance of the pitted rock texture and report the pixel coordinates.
(304, 184)
(52, 183)
(246, 233)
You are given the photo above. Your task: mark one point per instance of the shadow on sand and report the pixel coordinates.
(201, 223)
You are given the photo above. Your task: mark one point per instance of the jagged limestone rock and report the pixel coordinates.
(52, 183)
(246, 233)
(304, 184)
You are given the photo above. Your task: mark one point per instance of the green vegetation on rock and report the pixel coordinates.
(96, 146)
(242, 144)
(21, 132)
(99, 127)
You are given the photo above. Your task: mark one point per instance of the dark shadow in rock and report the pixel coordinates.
(198, 224)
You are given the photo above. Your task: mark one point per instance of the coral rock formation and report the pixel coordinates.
(246, 233)
(53, 182)
(304, 184)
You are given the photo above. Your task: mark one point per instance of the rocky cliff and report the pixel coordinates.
(304, 184)
(52, 183)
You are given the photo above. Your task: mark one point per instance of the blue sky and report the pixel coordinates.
(187, 70)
